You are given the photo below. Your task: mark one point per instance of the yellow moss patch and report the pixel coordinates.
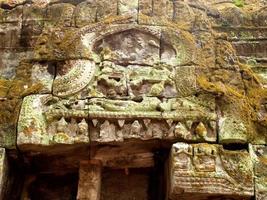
(9, 110)
(163, 21)
(22, 85)
(218, 88)
(4, 87)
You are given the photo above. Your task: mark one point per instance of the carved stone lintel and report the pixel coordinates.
(89, 180)
(45, 121)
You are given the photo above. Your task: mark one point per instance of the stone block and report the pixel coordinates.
(11, 16)
(128, 8)
(106, 9)
(43, 124)
(9, 113)
(185, 80)
(208, 170)
(259, 157)
(43, 74)
(85, 13)
(155, 12)
(32, 24)
(60, 14)
(10, 35)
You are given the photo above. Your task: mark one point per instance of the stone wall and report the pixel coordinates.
(166, 95)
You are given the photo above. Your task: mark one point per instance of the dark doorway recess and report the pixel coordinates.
(135, 183)
(52, 187)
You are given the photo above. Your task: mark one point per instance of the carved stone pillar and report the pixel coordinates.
(89, 187)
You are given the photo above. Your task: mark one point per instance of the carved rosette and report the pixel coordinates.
(79, 75)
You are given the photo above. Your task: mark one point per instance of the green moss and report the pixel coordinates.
(13, 92)
(243, 106)
(239, 3)
(252, 62)
(246, 34)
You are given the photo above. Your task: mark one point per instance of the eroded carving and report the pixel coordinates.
(78, 75)
(209, 170)
(151, 119)
(44, 120)
(130, 46)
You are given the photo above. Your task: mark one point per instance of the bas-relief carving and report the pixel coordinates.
(150, 119)
(147, 81)
(36, 128)
(75, 78)
(49, 120)
(209, 169)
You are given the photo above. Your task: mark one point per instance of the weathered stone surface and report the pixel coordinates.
(73, 76)
(4, 171)
(32, 24)
(11, 16)
(10, 28)
(182, 9)
(85, 13)
(151, 81)
(136, 77)
(139, 46)
(178, 47)
(89, 181)
(9, 110)
(155, 13)
(35, 130)
(151, 118)
(186, 82)
(60, 14)
(129, 8)
(206, 49)
(126, 156)
(206, 169)
(258, 154)
(232, 131)
(43, 74)
(256, 49)
(10, 60)
(106, 9)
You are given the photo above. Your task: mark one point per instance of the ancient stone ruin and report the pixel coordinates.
(133, 99)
